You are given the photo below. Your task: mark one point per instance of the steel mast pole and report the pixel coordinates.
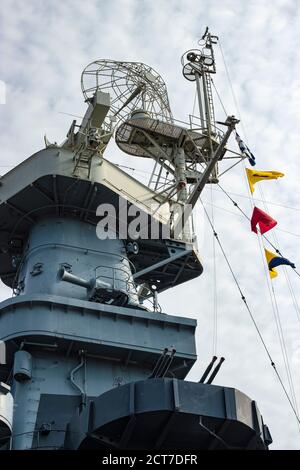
(200, 104)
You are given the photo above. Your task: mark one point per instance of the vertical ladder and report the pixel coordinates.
(211, 108)
(83, 160)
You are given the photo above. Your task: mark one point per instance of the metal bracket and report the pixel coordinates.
(37, 269)
(231, 121)
(153, 267)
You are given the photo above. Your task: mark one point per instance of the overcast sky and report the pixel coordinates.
(44, 45)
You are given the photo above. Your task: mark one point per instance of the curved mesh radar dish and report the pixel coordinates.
(131, 85)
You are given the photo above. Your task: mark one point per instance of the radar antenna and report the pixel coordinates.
(113, 90)
(131, 85)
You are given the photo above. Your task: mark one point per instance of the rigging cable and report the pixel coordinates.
(278, 324)
(280, 329)
(291, 290)
(274, 303)
(231, 87)
(260, 200)
(270, 288)
(241, 215)
(219, 97)
(248, 218)
(194, 105)
(215, 294)
(251, 315)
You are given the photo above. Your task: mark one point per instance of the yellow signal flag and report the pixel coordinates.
(270, 256)
(274, 260)
(254, 176)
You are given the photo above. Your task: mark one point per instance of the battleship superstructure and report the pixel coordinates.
(91, 361)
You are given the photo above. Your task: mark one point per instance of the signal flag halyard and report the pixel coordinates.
(264, 221)
(255, 176)
(245, 150)
(274, 260)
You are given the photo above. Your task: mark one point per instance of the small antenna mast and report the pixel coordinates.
(198, 65)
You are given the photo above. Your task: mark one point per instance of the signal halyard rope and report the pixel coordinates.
(215, 297)
(251, 315)
(248, 218)
(270, 288)
(277, 314)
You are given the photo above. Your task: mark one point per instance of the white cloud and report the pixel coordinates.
(45, 46)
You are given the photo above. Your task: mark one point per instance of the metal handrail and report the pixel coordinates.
(124, 276)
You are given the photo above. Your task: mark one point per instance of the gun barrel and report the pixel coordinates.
(208, 369)
(66, 276)
(215, 371)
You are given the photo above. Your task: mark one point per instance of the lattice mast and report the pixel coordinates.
(186, 155)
